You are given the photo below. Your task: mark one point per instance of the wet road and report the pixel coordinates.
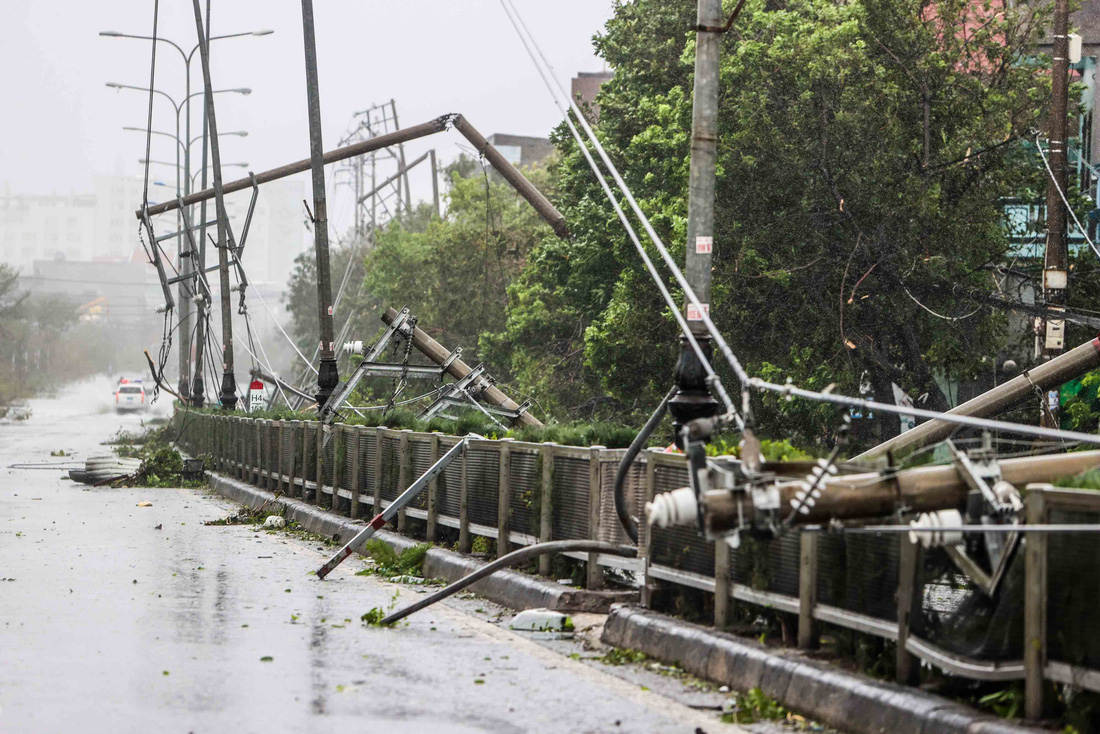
(117, 618)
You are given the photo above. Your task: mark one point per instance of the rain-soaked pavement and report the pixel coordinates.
(118, 618)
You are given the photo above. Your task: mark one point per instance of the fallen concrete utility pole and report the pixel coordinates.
(525, 188)
(458, 369)
(1045, 376)
(258, 373)
(925, 489)
(382, 141)
(391, 511)
(510, 173)
(402, 171)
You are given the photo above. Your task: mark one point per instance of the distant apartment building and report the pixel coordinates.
(101, 227)
(586, 85)
(46, 227)
(521, 150)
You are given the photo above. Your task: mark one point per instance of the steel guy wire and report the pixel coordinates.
(788, 390)
(260, 343)
(684, 327)
(1062, 195)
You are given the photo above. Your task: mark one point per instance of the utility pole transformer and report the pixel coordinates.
(693, 400)
(328, 375)
(229, 384)
(1056, 262)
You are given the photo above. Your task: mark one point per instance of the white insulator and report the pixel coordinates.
(353, 347)
(1008, 495)
(925, 529)
(670, 509)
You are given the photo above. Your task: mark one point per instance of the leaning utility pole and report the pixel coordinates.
(1056, 262)
(693, 400)
(328, 375)
(198, 387)
(229, 384)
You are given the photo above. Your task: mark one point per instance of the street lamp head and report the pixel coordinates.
(114, 85)
(113, 34)
(243, 90)
(265, 32)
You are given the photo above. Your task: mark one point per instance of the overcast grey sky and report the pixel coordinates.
(62, 125)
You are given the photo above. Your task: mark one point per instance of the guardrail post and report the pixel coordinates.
(546, 508)
(504, 496)
(908, 666)
(279, 486)
(1035, 603)
(594, 578)
(256, 477)
(238, 447)
(357, 432)
(464, 539)
(319, 464)
(433, 493)
(269, 429)
(377, 508)
(807, 591)
(403, 459)
(305, 458)
(645, 532)
(292, 490)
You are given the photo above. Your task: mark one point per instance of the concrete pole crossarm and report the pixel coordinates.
(925, 489)
(382, 141)
(1045, 376)
(402, 170)
(511, 174)
(458, 369)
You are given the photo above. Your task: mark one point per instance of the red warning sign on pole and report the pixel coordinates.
(256, 395)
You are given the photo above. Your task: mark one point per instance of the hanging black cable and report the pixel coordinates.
(630, 525)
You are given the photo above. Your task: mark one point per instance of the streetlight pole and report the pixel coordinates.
(328, 375)
(693, 400)
(202, 322)
(229, 384)
(195, 394)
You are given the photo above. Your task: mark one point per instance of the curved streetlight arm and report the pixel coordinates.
(154, 132)
(116, 85)
(186, 56)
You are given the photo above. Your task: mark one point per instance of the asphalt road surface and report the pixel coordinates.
(120, 618)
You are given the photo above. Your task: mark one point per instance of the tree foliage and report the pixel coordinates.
(865, 148)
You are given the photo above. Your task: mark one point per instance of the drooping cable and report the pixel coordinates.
(1062, 195)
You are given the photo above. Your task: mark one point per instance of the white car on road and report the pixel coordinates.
(130, 396)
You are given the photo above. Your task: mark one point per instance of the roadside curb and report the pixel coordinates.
(811, 688)
(507, 588)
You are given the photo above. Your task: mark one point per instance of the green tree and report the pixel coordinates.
(864, 148)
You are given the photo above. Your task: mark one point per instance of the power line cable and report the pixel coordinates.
(1062, 195)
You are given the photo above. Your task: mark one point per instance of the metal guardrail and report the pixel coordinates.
(531, 492)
